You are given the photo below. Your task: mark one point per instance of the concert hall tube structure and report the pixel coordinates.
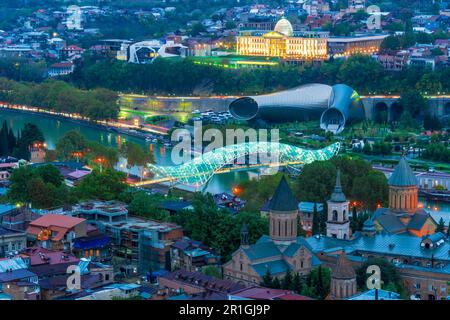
(335, 106)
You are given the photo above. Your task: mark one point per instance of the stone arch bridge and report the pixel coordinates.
(387, 107)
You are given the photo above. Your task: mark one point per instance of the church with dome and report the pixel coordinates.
(283, 42)
(280, 251)
(403, 214)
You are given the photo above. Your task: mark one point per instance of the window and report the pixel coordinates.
(335, 215)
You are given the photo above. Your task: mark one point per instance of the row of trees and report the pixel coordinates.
(224, 236)
(43, 187)
(362, 73)
(74, 146)
(437, 152)
(18, 147)
(59, 96)
(317, 283)
(360, 183)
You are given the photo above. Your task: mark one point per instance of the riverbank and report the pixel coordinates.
(111, 126)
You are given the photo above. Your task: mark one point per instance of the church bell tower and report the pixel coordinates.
(338, 222)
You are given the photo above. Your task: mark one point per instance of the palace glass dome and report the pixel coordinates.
(284, 26)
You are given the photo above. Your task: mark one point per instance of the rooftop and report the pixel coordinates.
(283, 199)
(57, 220)
(338, 195)
(403, 175)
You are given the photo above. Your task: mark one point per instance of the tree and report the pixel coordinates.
(317, 283)
(371, 190)
(28, 136)
(105, 185)
(276, 283)
(136, 156)
(196, 29)
(316, 221)
(432, 123)
(391, 42)
(257, 192)
(212, 271)
(413, 102)
(4, 142)
(297, 283)
(71, 145)
(43, 187)
(146, 206)
(286, 283)
(316, 181)
(196, 223)
(50, 174)
(441, 226)
(267, 280)
(18, 191)
(407, 121)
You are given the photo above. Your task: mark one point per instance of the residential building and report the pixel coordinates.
(394, 61)
(20, 284)
(61, 69)
(56, 231)
(191, 255)
(11, 241)
(143, 244)
(347, 46)
(195, 283)
(72, 52)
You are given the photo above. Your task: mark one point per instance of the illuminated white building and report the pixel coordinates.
(283, 43)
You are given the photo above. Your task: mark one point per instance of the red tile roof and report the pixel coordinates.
(55, 223)
(57, 220)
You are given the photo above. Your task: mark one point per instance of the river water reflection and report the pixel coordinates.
(54, 129)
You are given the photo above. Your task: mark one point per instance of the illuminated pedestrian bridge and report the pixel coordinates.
(198, 171)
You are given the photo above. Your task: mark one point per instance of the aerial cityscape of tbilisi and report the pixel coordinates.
(231, 150)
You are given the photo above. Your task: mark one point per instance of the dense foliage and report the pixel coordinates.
(216, 227)
(316, 285)
(183, 76)
(101, 184)
(18, 146)
(42, 187)
(390, 276)
(59, 96)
